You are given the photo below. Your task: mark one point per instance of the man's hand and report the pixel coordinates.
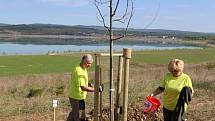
(90, 85)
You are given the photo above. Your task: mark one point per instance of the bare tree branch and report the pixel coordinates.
(131, 14)
(101, 1)
(102, 17)
(154, 18)
(114, 12)
(125, 17)
(125, 13)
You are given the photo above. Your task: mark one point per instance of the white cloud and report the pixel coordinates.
(74, 3)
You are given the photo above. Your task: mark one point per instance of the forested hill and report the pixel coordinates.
(80, 30)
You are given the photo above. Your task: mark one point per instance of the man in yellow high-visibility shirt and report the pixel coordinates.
(78, 88)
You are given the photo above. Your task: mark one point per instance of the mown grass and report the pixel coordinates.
(31, 64)
(162, 57)
(36, 64)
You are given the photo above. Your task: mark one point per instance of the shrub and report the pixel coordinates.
(59, 90)
(210, 66)
(33, 92)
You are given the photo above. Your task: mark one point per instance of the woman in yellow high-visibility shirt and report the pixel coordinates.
(171, 86)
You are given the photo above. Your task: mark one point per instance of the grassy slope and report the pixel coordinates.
(30, 64)
(144, 78)
(13, 65)
(162, 57)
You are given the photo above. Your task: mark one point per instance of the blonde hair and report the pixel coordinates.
(176, 65)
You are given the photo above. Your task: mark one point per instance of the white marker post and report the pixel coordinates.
(54, 106)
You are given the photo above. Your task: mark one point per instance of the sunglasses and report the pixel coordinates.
(89, 62)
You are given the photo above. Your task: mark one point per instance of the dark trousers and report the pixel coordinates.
(168, 115)
(78, 110)
(171, 115)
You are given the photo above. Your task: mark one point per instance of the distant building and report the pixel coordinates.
(164, 37)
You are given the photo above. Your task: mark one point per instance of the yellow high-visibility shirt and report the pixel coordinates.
(173, 86)
(79, 78)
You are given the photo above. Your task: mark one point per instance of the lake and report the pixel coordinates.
(9, 48)
(23, 47)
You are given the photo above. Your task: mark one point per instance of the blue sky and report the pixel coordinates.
(187, 15)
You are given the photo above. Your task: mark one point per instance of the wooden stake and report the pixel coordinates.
(118, 92)
(100, 94)
(54, 102)
(127, 56)
(96, 94)
(54, 113)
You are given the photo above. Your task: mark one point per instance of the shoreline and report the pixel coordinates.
(98, 38)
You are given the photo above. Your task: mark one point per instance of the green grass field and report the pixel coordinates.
(13, 65)
(36, 64)
(163, 57)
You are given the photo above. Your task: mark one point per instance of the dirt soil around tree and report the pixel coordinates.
(201, 108)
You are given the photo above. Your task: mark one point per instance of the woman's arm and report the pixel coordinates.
(158, 91)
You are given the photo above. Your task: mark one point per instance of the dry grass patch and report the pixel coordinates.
(144, 78)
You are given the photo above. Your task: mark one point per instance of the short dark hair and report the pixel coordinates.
(87, 57)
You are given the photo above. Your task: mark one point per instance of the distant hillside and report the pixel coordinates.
(80, 30)
(48, 29)
(2, 24)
